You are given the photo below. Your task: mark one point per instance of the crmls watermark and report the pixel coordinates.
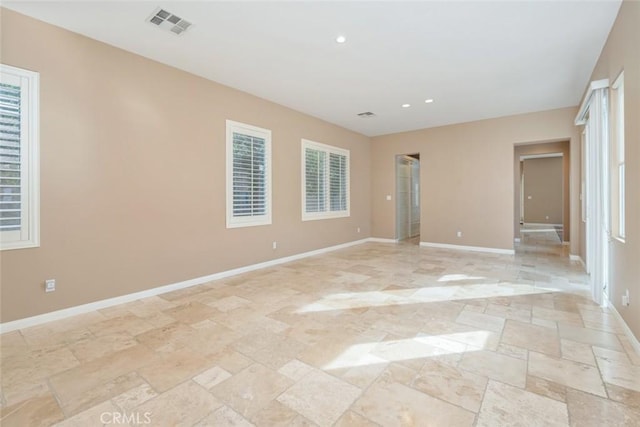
(121, 418)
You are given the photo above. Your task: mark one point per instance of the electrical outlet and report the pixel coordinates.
(50, 285)
(275, 245)
(459, 234)
(358, 229)
(625, 298)
(388, 196)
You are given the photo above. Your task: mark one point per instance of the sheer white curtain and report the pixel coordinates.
(594, 116)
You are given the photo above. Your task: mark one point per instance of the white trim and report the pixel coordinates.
(618, 81)
(627, 331)
(381, 240)
(542, 223)
(618, 129)
(29, 235)
(584, 107)
(97, 305)
(245, 129)
(583, 175)
(540, 156)
(579, 259)
(468, 248)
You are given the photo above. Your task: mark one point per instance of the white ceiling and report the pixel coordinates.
(477, 59)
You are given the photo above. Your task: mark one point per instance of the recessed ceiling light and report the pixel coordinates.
(406, 105)
(341, 39)
(428, 101)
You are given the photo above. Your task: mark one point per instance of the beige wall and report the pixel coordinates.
(621, 52)
(543, 190)
(563, 147)
(133, 175)
(467, 176)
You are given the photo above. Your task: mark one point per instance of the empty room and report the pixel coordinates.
(312, 213)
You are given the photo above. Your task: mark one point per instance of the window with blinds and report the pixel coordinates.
(10, 188)
(315, 183)
(338, 182)
(248, 175)
(18, 158)
(325, 181)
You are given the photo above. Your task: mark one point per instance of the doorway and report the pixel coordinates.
(408, 197)
(541, 199)
(542, 220)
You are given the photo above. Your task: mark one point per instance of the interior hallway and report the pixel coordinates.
(541, 239)
(377, 334)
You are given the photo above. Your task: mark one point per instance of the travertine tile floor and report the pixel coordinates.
(374, 335)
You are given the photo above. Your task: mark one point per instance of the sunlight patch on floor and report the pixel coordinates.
(419, 347)
(350, 300)
(458, 277)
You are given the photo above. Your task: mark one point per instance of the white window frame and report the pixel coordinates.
(619, 143)
(29, 234)
(257, 132)
(583, 174)
(328, 213)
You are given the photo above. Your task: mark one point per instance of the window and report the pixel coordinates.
(19, 164)
(619, 181)
(325, 181)
(248, 175)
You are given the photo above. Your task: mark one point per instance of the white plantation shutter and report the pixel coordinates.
(10, 163)
(248, 170)
(18, 158)
(325, 177)
(315, 185)
(338, 181)
(249, 176)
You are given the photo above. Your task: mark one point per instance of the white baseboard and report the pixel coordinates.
(468, 248)
(381, 240)
(97, 305)
(627, 331)
(578, 259)
(543, 223)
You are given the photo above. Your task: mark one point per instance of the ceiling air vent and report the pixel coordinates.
(366, 114)
(168, 21)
